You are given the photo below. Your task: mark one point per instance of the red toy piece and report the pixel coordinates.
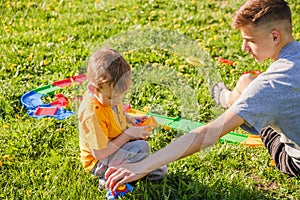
(41, 111)
(79, 78)
(253, 72)
(225, 61)
(63, 83)
(61, 101)
(127, 107)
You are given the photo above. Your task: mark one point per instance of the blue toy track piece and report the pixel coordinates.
(32, 99)
(109, 196)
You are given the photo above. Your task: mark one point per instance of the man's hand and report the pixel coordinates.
(119, 176)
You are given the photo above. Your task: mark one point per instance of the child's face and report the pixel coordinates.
(258, 42)
(107, 97)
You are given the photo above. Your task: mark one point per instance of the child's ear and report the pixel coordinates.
(92, 89)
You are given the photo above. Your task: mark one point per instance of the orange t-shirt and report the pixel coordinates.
(97, 125)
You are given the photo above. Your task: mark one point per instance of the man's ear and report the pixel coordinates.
(91, 89)
(276, 36)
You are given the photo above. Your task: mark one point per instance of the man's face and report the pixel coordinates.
(258, 42)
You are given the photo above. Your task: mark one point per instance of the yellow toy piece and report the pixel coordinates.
(253, 141)
(122, 187)
(135, 113)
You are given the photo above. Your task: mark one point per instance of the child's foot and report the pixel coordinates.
(101, 184)
(220, 94)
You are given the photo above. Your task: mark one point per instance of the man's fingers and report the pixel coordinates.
(115, 178)
(119, 183)
(109, 171)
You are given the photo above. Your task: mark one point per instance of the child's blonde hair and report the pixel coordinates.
(261, 13)
(106, 67)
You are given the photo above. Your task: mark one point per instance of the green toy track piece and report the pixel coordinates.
(188, 125)
(235, 138)
(164, 120)
(176, 122)
(185, 125)
(47, 89)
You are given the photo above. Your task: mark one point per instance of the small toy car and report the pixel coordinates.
(121, 191)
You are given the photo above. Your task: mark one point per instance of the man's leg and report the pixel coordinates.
(225, 97)
(283, 161)
(241, 85)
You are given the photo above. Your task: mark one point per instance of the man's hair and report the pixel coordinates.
(262, 13)
(106, 67)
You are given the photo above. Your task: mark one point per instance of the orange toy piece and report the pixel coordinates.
(150, 121)
(253, 141)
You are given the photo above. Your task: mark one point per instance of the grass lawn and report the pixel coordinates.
(45, 41)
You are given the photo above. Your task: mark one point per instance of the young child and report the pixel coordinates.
(269, 104)
(105, 138)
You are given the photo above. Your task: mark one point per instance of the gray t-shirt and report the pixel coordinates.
(273, 99)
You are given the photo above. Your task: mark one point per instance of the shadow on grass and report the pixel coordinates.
(181, 186)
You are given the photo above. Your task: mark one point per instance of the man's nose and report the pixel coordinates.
(245, 46)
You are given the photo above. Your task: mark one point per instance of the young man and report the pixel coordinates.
(269, 105)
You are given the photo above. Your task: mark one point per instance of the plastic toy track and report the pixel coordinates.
(36, 107)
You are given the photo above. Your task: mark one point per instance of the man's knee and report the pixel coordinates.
(244, 81)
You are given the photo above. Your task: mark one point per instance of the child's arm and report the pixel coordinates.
(132, 133)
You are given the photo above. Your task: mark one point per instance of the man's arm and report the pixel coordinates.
(187, 144)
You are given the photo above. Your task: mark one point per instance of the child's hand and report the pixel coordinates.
(138, 132)
(136, 120)
(141, 118)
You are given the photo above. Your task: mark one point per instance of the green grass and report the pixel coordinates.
(45, 41)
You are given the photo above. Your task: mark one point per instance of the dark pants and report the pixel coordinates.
(283, 161)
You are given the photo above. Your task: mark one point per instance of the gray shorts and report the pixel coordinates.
(130, 152)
